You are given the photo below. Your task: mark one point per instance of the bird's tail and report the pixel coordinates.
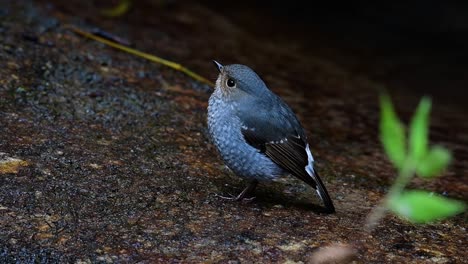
(321, 190)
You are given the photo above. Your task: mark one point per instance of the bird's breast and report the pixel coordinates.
(225, 130)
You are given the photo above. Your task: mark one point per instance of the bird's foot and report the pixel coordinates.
(243, 195)
(238, 198)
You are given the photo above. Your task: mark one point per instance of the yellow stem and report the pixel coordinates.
(147, 56)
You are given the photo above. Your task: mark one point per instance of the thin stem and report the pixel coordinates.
(404, 177)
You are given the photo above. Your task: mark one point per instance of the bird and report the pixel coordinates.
(257, 134)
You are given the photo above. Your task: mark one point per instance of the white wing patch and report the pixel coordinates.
(310, 169)
(310, 158)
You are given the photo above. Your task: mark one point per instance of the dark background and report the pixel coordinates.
(416, 45)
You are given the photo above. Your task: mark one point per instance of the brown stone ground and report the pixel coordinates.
(116, 165)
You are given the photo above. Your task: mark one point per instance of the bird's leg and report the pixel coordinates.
(243, 195)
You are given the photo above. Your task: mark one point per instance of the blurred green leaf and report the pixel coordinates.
(435, 161)
(392, 133)
(423, 207)
(120, 9)
(418, 131)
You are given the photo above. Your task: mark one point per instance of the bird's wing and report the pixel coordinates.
(278, 134)
(275, 131)
(288, 151)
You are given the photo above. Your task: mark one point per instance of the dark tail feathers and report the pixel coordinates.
(321, 190)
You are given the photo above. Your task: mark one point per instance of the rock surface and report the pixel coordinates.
(116, 165)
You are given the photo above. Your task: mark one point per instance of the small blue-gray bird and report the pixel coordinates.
(257, 134)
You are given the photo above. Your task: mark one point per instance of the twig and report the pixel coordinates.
(138, 53)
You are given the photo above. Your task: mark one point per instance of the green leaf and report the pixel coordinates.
(392, 133)
(423, 207)
(435, 161)
(418, 131)
(120, 9)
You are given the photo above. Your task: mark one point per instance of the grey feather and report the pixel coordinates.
(257, 133)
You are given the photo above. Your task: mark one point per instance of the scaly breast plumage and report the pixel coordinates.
(225, 130)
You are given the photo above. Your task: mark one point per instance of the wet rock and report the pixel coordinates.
(120, 168)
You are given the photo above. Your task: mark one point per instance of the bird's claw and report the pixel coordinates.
(238, 198)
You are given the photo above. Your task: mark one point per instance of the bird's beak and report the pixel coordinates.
(218, 65)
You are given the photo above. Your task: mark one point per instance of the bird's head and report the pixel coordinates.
(238, 80)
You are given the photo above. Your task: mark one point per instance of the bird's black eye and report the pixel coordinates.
(230, 82)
